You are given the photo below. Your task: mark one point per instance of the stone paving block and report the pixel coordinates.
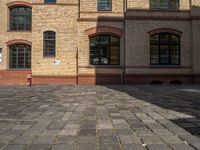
(2, 145)
(87, 146)
(26, 140)
(151, 140)
(192, 140)
(56, 125)
(72, 126)
(108, 139)
(171, 139)
(181, 147)
(68, 132)
(7, 139)
(50, 132)
(158, 147)
(110, 146)
(129, 139)
(65, 140)
(87, 132)
(87, 139)
(162, 132)
(38, 147)
(133, 147)
(105, 132)
(44, 139)
(63, 147)
(21, 127)
(15, 147)
(124, 131)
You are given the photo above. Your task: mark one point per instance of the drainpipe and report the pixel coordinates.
(124, 29)
(79, 8)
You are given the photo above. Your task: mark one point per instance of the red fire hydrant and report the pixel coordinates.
(29, 79)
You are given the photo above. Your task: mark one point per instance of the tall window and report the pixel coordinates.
(104, 50)
(165, 49)
(20, 18)
(50, 1)
(20, 56)
(164, 4)
(49, 43)
(104, 5)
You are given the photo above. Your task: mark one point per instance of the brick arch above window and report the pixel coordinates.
(18, 3)
(20, 41)
(104, 30)
(168, 30)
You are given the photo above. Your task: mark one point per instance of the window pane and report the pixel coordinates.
(164, 38)
(115, 55)
(155, 39)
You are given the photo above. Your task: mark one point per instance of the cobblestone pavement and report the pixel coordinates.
(100, 117)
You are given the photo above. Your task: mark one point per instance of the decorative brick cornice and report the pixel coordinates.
(104, 30)
(18, 3)
(20, 41)
(159, 30)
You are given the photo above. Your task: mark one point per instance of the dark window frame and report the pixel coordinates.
(109, 45)
(14, 51)
(171, 6)
(101, 9)
(47, 43)
(27, 19)
(169, 44)
(50, 1)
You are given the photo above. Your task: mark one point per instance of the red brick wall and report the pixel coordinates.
(18, 77)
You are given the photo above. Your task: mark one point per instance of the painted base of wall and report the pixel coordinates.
(14, 77)
(165, 79)
(19, 77)
(99, 79)
(61, 80)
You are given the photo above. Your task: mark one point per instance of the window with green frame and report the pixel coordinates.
(20, 18)
(20, 56)
(104, 50)
(165, 49)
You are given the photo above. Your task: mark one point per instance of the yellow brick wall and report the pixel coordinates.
(61, 19)
(6, 35)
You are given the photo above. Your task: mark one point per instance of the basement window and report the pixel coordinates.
(50, 1)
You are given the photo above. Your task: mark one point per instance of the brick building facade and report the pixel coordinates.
(99, 41)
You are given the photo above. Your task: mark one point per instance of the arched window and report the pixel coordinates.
(165, 49)
(104, 50)
(20, 18)
(49, 43)
(20, 56)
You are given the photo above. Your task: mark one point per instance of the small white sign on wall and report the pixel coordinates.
(0, 55)
(56, 62)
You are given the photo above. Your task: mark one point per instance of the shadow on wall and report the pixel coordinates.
(182, 102)
(107, 70)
